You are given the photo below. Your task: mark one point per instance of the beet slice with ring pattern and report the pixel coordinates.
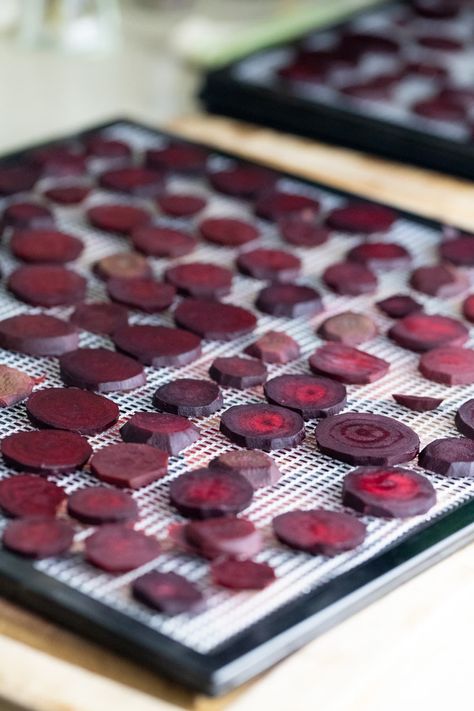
(100, 317)
(128, 464)
(242, 574)
(421, 332)
(349, 328)
(169, 593)
(143, 294)
(71, 409)
(162, 242)
(380, 255)
(418, 403)
(257, 467)
(117, 548)
(189, 397)
(237, 372)
(269, 264)
(449, 456)
(276, 204)
(350, 279)
(27, 216)
(213, 320)
(464, 419)
(45, 246)
(100, 504)
(449, 365)
(132, 181)
(260, 426)
(319, 532)
(458, 251)
(202, 280)
(100, 369)
(177, 158)
(223, 536)
(30, 495)
(439, 280)
(363, 218)
(123, 265)
(47, 285)
(245, 181)
(46, 452)
(208, 493)
(399, 305)
(170, 433)
(181, 204)
(309, 395)
(118, 218)
(15, 386)
(228, 231)
(347, 364)
(158, 345)
(67, 195)
(289, 300)
(38, 536)
(38, 334)
(274, 347)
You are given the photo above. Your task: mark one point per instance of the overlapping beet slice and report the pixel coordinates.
(15, 385)
(449, 456)
(128, 464)
(47, 285)
(439, 280)
(100, 369)
(257, 467)
(468, 308)
(421, 332)
(245, 181)
(237, 372)
(274, 347)
(269, 264)
(242, 574)
(363, 218)
(100, 504)
(38, 334)
(45, 246)
(380, 255)
(71, 409)
(347, 364)
(123, 265)
(208, 493)
(169, 593)
(228, 231)
(143, 294)
(162, 242)
(223, 536)
(276, 204)
(189, 397)
(319, 532)
(348, 327)
(132, 181)
(418, 403)
(259, 426)
(449, 365)
(46, 452)
(202, 280)
(17, 178)
(309, 395)
(38, 536)
(213, 320)
(458, 251)
(464, 419)
(181, 204)
(177, 158)
(399, 305)
(100, 317)
(117, 218)
(290, 300)
(67, 195)
(170, 433)
(350, 279)
(30, 495)
(27, 216)
(158, 345)
(117, 548)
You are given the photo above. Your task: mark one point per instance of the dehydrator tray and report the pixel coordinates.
(239, 635)
(269, 88)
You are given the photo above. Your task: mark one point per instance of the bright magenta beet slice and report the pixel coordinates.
(468, 308)
(449, 365)
(302, 230)
(71, 409)
(100, 369)
(223, 536)
(261, 426)
(132, 181)
(390, 492)
(399, 305)
(170, 433)
(422, 332)
(30, 495)
(464, 419)
(45, 246)
(168, 593)
(238, 372)
(38, 334)
(123, 265)
(67, 195)
(418, 403)
(290, 300)
(274, 347)
(347, 364)
(208, 493)
(366, 439)
(449, 456)
(257, 467)
(189, 397)
(181, 204)
(309, 395)
(348, 327)
(27, 216)
(101, 147)
(228, 231)
(100, 504)
(213, 320)
(269, 264)
(276, 204)
(117, 218)
(363, 218)
(17, 179)
(46, 452)
(38, 536)
(245, 181)
(100, 317)
(162, 242)
(15, 386)
(47, 285)
(242, 574)
(177, 158)
(128, 464)
(380, 255)
(117, 548)
(140, 293)
(319, 532)
(458, 251)
(439, 280)
(202, 280)
(158, 345)
(350, 279)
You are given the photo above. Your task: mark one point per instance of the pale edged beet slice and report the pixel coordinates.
(449, 456)
(30, 495)
(223, 536)
(46, 452)
(170, 433)
(399, 305)
(117, 548)
(181, 204)
(27, 216)
(418, 403)
(380, 255)
(47, 285)
(363, 438)
(15, 386)
(468, 308)
(257, 467)
(389, 492)
(289, 300)
(67, 195)
(439, 280)
(100, 369)
(238, 372)
(318, 531)
(38, 334)
(101, 504)
(17, 178)
(99, 146)
(71, 409)
(347, 364)
(458, 251)
(132, 181)
(129, 464)
(449, 365)
(278, 203)
(213, 320)
(141, 293)
(168, 593)
(38, 536)
(274, 347)
(123, 265)
(189, 397)
(45, 246)
(422, 332)
(162, 242)
(202, 280)
(309, 395)
(348, 327)
(177, 158)
(100, 317)
(208, 493)
(464, 419)
(242, 574)
(158, 345)
(228, 231)
(350, 279)
(118, 218)
(269, 264)
(302, 230)
(363, 218)
(245, 181)
(261, 426)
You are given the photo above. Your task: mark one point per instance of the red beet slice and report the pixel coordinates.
(468, 308)
(458, 251)
(257, 467)
(308, 395)
(242, 574)
(101, 147)
(123, 265)
(290, 300)
(380, 255)
(143, 294)
(116, 548)
(364, 218)
(30, 495)
(132, 181)
(162, 242)
(115, 217)
(100, 317)
(71, 409)
(347, 364)
(189, 397)
(27, 216)
(269, 264)
(450, 365)
(377, 87)
(274, 347)
(228, 231)
(170, 433)
(99, 504)
(439, 43)
(423, 69)
(439, 280)
(302, 230)
(356, 43)
(421, 332)
(208, 493)
(399, 305)
(47, 285)
(100, 369)
(67, 194)
(17, 179)
(129, 464)
(46, 452)
(440, 109)
(350, 279)
(38, 334)
(178, 158)
(278, 204)
(200, 279)
(390, 492)
(449, 456)
(465, 419)
(319, 532)
(168, 593)
(436, 9)
(223, 536)
(245, 181)
(259, 426)
(213, 320)
(181, 204)
(349, 328)
(38, 536)
(418, 403)
(59, 160)
(236, 372)
(45, 246)
(15, 385)
(158, 345)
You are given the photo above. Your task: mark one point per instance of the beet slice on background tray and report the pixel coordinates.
(228, 231)
(274, 347)
(45, 246)
(399, 306)
(257, 467)
(458, 251)
(468, 308)
(303, 230)
(30, 495)
(289, 300)
(123, 265)
(47, 285)
(162, 242)
(117, 548)
(38, 334)
(436, 9)
(169, 593)
(202, 280)
(67, 195)
(181, 204)
(421, 332)
(71, 409)
(128, 464)
(350, 279)
(189, 397)
(449, 365)
(170, 433)
(363, 218)
(100, 504)
(132, 181)
(143, 294)
(319, 532)
(309, 395)
(158, 345)
(46, 452)
(223, 536)
(99, 317)
(245, 181)
(15, 386)
(464, 419)
(100, 369)
(242, 574)
(276, 204)
(449, 456)
(59, 160)
(177, 158)
(418, 403)
(238, 372)
(17, 179)
(213, 320)
(269, 264)
(439, 280)
(348, 327)
(99, 146)
(208, 493)
(38, 536)
(347, 364)
(27, 216)
(260, 426)
(117, 218)
(380, 255)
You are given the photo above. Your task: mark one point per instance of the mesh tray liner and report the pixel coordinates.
(309, 478)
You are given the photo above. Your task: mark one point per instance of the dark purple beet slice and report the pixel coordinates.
(117, 548)
(468, 308)
(237, 372)
(436, 9)
(42, 285)
(277, 204)
(450, 365)
(308, 395)
(245, 181)
(424, 69)
(440, 43)
(377, 87)
(100, 317)
(399, 305)
(242, 574)
(99, 504)
(390, 492)
(27, 216)
(439, 280)
(269, 264)
(101, 147)
(67, 194)
(458, 94)
(213, 320)
(208, 493)
(100, 369)
(290, 300)
(464, 419)
(170, 433)
(364, 218)
(228, 231)
(350, 279)
(449, 456)
(349, 328)
(15, 385)
(257, 467)
(158, 345)
(421, 332)
(200, 279)
(38, 536)
(123, 265)
(162, 242)
(458, 251)
(46, 451)
(181, 204)
(122, 219)
(418, 403)
(302, 230)
(45, 246)
(17, 179)
(440, 109)
(189, 397)
(177, 158)
(319, 532)
(59, 160)
(259, 426)
(356, 43)
(168, 593)
(129, 464)
(38, 334)
(274, 347)
(380, 255)
(30, 495)
(132, 181)
(347, 364)
(143, 294)
(223, 536)
(71, 409)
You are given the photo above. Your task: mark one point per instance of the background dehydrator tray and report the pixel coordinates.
(241, 634)
(249, 89)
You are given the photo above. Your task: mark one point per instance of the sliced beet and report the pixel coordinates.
(245, 181)
(350, 279)
(117, 548)
(99, 504)
(290, 300)
(228, 231)
(189, 397)
(132, 181)
(399, 305)
(170, 433)
(100, 369)
(200, 279)
(464, 419)
(141, 293)
(418, 403)
(440, 109)
(440, 43)
(38, 536)
(30, 495)
(274, 347)
(181, 204)
(45, 246)
(17, 179)
(439, 280)
(162, 242)
(449, 456)
(429, 70)
(276, 204)
(468, 308)
(357, 43)
(100, 317)
(47, 285)
(213, 320)
(67, 195)
(158, 345)
(128, 464)
(259, 426)
(257, 467)
(269, 264)
(27, 216)
(363, 218)
(237, 372)
(46, 451)
(380, 255)
(349, 328)
(377, 87)
(101, 147)
(309, 395)
(390, 492)
(208, 493)
(242, 574)
(436, 9)
(15, 385)
(421, 332)
(450, 365)
(71, 409)
(223, 536)
(169, 593)
(319, 532)
(302, 230)
(118, 218)
(458, 251)
(347, 364)
(123, 265)
(38, 334)
(59, 160)
(177, 158)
